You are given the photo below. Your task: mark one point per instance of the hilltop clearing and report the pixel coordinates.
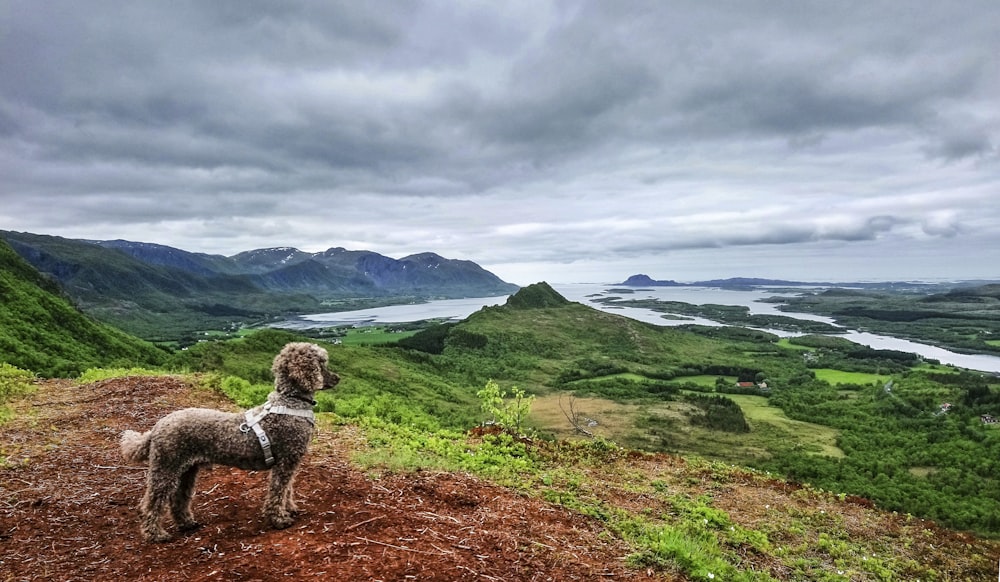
(68, 509)
(563, 512)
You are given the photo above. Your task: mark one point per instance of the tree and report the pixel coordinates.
(507, 413)
(574, 417)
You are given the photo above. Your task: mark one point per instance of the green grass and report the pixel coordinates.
(370, 336)
(97, 374)
(14, 382)
(783, 342)
(621, 375)
(807, 434)
(835, 377)
(994, 343)
(706, 380)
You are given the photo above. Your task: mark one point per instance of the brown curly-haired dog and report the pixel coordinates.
(274, 435)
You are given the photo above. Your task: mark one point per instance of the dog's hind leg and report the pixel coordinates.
(180, 506)
(161, 485)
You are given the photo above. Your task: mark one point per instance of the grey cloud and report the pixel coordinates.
(751, 233)
(408, 123)
(960, 145)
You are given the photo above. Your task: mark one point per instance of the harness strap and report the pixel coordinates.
(265, 443)
(253, 423)
(282, 409)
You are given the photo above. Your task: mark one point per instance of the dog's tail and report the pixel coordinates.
(135, 446)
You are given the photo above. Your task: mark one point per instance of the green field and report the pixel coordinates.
(835, 377)
(362, 336)
(757, 411)
(783, 342)
(643, 423)
(622, 375)
(706, 380)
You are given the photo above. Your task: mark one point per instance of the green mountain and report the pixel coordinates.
(159, 292)
(40, 330)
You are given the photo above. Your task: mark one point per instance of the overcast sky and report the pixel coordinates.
(562, 141)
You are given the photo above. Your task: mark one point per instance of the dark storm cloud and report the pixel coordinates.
(508, 132)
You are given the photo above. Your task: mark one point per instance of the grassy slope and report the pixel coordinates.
(41, 331)
(552, 340)
(703, 520)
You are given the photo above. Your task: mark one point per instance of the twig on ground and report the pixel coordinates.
(361, 523)
(395, 547)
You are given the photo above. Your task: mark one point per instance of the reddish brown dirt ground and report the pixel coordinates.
(68, 509)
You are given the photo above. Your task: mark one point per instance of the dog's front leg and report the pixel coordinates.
(289, 499)
(275, 508)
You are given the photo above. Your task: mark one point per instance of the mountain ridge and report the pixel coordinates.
(643, 280)
(151, 289)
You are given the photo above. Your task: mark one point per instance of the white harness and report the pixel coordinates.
(253, 423)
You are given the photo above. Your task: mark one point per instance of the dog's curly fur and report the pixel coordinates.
(184, 441)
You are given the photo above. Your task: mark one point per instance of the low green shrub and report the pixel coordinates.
(97, 374)
(243, 393)
(13, 381)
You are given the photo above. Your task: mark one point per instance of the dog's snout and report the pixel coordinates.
(330, 379)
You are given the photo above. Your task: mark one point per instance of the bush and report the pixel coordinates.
(13, 381)
(718, 412)
(243, 393)
(507, 413)
(97, 374)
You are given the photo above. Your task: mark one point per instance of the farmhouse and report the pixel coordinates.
(762, 386)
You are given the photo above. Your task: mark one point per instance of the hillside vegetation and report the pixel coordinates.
(41, 331)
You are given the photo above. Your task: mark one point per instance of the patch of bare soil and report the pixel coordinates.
(68, 509)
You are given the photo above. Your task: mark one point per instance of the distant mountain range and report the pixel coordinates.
(641, 280)
(139, 285)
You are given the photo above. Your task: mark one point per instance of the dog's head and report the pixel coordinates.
(301, 367)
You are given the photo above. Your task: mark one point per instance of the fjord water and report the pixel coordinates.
(587, 293)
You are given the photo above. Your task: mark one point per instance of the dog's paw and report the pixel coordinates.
(281, 521)
(157, 537)
(188, 526)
